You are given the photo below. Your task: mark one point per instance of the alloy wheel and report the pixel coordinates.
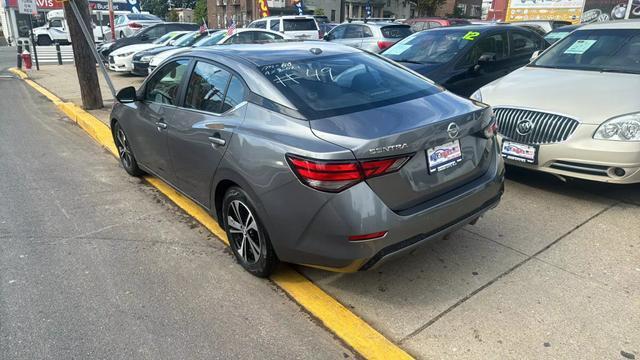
(243, 228)
(123, 148)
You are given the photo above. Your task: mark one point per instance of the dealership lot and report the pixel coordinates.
(553, 272)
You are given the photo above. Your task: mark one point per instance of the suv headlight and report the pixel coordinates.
(621, 128)
(477, 96)
(146, 58)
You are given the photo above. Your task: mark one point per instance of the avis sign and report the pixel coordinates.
(27, 7)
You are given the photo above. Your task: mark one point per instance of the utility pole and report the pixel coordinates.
(83, 55)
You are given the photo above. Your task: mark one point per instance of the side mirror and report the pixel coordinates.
(535, 55)
(326, 37)
(127, 95)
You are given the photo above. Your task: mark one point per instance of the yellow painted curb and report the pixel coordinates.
(351, 329)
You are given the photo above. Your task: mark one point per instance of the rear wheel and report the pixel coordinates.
(127, 159)
(247, 237)
(44, 40)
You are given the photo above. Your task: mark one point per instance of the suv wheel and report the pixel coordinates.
(247, 237)
(127, 159)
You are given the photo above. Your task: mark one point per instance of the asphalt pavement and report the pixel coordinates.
(96, 264)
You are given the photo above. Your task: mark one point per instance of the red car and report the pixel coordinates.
(419, 24)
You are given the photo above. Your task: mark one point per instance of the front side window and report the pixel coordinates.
(494, 46)
(212, 39)
(434, 24)
(418, 26)
(265, 36)
(353, 32)
(163, 87)
(245, 37)
(259, 25)
(606, 50)
(206, 88)
(340, 84)
(337, 32)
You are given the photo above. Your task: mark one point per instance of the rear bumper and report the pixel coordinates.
(583, 157)
(323, 243)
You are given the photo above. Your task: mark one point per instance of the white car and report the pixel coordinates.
(127, 25)
(240, 36)
(574, 111)
(298, 27)
(121, 60)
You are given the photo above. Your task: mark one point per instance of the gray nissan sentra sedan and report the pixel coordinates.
(312, 153)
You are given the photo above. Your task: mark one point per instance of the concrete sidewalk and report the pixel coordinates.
(553, 272)
(62, 80)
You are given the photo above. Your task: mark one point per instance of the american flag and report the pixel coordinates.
(231, 28)
(203, 27)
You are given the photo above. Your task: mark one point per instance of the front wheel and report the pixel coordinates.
(247, 236)
(127, 159)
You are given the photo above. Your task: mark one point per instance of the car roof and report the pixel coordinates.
(375, 23)
(271, 53)
(618, 24)
(287, 17)
(482, 29)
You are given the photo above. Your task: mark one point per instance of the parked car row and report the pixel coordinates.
(371, 157)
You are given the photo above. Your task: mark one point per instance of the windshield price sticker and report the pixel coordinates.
(397, 49)
(471, 35)
(580, 47)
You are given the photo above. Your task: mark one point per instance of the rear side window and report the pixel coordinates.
(396, 31)
(164, 85)
(299, 24)
(235, 94)
(154, 32)
(275, 25)
(344, 83)
(143, 17)
(434, 24)
(523, 43)
(206, 88)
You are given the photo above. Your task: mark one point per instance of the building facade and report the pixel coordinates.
(465, 8)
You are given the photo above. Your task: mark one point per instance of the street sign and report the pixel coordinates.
(27, 7)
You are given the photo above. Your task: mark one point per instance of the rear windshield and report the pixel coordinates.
(340, 84)
(396, 31)
(299, 24)
(143, 17)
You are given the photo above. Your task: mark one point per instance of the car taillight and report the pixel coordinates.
(491, 130)
(134, 25)
(375, 235)
(335, 176)
(384, 44)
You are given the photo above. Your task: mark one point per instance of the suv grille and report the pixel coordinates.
(543, 128)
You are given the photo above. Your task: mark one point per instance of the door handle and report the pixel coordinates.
(161, 125)
(215, 140)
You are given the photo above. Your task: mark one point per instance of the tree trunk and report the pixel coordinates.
(84, 61)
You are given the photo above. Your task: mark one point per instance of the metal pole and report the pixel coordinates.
(33, 42)
(92, 46)
(59, 53)
(112, 21)
(19, 55)
(629, 8)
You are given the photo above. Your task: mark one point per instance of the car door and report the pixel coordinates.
(156, 109)
(523, 44)
(485, 61)
(353, 35)
(214, 106)
(336, 34)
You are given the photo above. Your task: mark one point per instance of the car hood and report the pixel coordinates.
(134, 48)
(156, 60)
(590, 97)
(158, 50)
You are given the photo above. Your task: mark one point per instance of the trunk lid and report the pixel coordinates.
(413, 127)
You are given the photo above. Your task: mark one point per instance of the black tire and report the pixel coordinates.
(44, 40)
(127, 159)
(237, 205)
